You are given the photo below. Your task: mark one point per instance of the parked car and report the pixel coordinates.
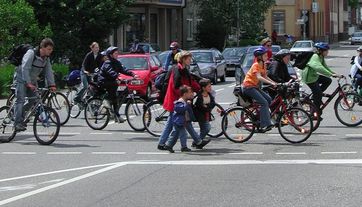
(147, 47)
(356, 38)
(147, 67)
(275, 49)
(232, 56)
(194, 67)
(302, 46)
(212, 64)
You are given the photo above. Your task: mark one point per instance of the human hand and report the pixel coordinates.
(53, 88)
(31, 86)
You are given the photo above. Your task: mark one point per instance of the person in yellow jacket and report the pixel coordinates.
(317, 74)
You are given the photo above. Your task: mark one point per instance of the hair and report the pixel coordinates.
(46, 42)
(183, 54)
(93, 44)
(204, 82)
(184, 89)
(265, 41)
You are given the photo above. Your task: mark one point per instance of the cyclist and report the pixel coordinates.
(170, 59)
(92, 60)
(316, 74)
(35, 62)
(108, 75)
(255, 76)
(356, 69)
(267, 43)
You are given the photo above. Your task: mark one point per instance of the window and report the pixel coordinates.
(189, 29)
(278, 21)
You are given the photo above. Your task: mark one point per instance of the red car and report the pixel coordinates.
(147, 67)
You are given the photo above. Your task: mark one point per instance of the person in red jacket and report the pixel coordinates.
(180, 76)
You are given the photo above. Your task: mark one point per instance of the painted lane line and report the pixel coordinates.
(101, 133)
(134, 133)
(224, 103)
(220, 89)
(290, 153)
(338, 152)
(52, 181)
(326, 135)
(246, 153)
(231, 86)
(56, 172)
(64, 153)
(19, 153)
(60, 133)
(152, 153)
(109, 153)
(72, 180)
(353, 135)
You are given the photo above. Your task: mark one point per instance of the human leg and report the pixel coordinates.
(265, 120)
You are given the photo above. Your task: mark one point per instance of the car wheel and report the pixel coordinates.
(214, 80)
(223, 78)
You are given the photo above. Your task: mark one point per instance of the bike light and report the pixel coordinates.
(137, 82)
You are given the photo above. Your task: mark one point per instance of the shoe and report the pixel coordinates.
(185, 149)
(119, 119)
(193, 144)
(20, 128)
(161, 147)
(203, 143)
(169, 149)
(268, 128)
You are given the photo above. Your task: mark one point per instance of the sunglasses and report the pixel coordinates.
(268, 45)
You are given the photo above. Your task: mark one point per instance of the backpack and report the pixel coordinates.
(161, 83)
(302, 59)
(17, 54)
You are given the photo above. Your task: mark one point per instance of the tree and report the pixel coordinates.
(18, 25)
(78, 23)
(219, 16)
(353, 3)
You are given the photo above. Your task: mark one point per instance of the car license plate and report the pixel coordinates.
(121, 88)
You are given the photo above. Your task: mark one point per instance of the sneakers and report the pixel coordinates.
(267, 128)
(203, 143)
(185, 149)
(20, 127)
(161, 147)
(193, 144)
(169, 149)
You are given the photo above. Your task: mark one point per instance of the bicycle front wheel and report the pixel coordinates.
(295, 125)
(155, 118)
(216, 117)
(134, 113)
(96, 115)
(7, 132)
(348, 109)
(60, 103)
(46, 125)
(311, 109)
(238, 125)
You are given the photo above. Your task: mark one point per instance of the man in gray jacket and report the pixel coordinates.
(33, 64)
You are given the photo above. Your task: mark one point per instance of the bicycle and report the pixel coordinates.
(347, 106)
(46, 123)
(55, 100)
(240, 122)
(155, 118)
(97, 111)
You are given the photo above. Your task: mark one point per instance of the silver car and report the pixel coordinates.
(356, 38)
(302, 46)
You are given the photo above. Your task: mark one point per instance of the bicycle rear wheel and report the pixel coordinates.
(238, 125)
(295, 125)
(60, 103)
(96, 115)
(134, 113)
(348, 109)
(7, 132)
(216, 117)
(155, 118)
(46, 125)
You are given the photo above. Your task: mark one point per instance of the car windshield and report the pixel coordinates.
(357, 34)
(233, 52)
(302, 45)
(247, 60)
(203, 57)
(162, 57)
(275, 48)
(134, 63)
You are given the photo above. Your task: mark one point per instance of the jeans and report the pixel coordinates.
(357, 81)
(177, 132)
(85, 79)
(264, 100)
(190, 129)
(167, 130)
(205, 128)
(21, 92)
(317, 90)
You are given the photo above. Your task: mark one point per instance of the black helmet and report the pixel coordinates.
(359, 49)
(282, 53)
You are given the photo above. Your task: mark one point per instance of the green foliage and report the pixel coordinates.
(18, 25)
(353, 3)
(60, 71)
(78, 23)
(6, 78)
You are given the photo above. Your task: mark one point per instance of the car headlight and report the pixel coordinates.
(137, 82)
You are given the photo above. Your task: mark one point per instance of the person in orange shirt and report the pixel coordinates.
(251, 87)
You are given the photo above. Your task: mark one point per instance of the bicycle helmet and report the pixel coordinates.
(174, 45)
(111, 50)
(74, 78)
(282, 53)
(103, 53)
(260, 51)
(359, 49)
(321, 46)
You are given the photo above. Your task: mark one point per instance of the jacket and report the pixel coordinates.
(183, 113)
(316, 66)
(32, 66)
(110, 71)
(90, 63)
(356, 67)
(278, 72)
(202, 113)
(179, 76)
(170, 59)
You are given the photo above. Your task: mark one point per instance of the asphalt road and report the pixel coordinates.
(120, 167)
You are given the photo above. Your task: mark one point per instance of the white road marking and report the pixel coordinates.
(231, 86)
(152, 153)
(224, 103)
(273, 135)
(69, 133)
(87, 175)
(64, 153)
(19, 153)
(108, 153)
(101, 133)
(52, 181)
(326, 135)
(220, 89)
(246, 153)
(338, 152)
(17, 187)
(353, 135)
(290, 153)
(134, 133)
